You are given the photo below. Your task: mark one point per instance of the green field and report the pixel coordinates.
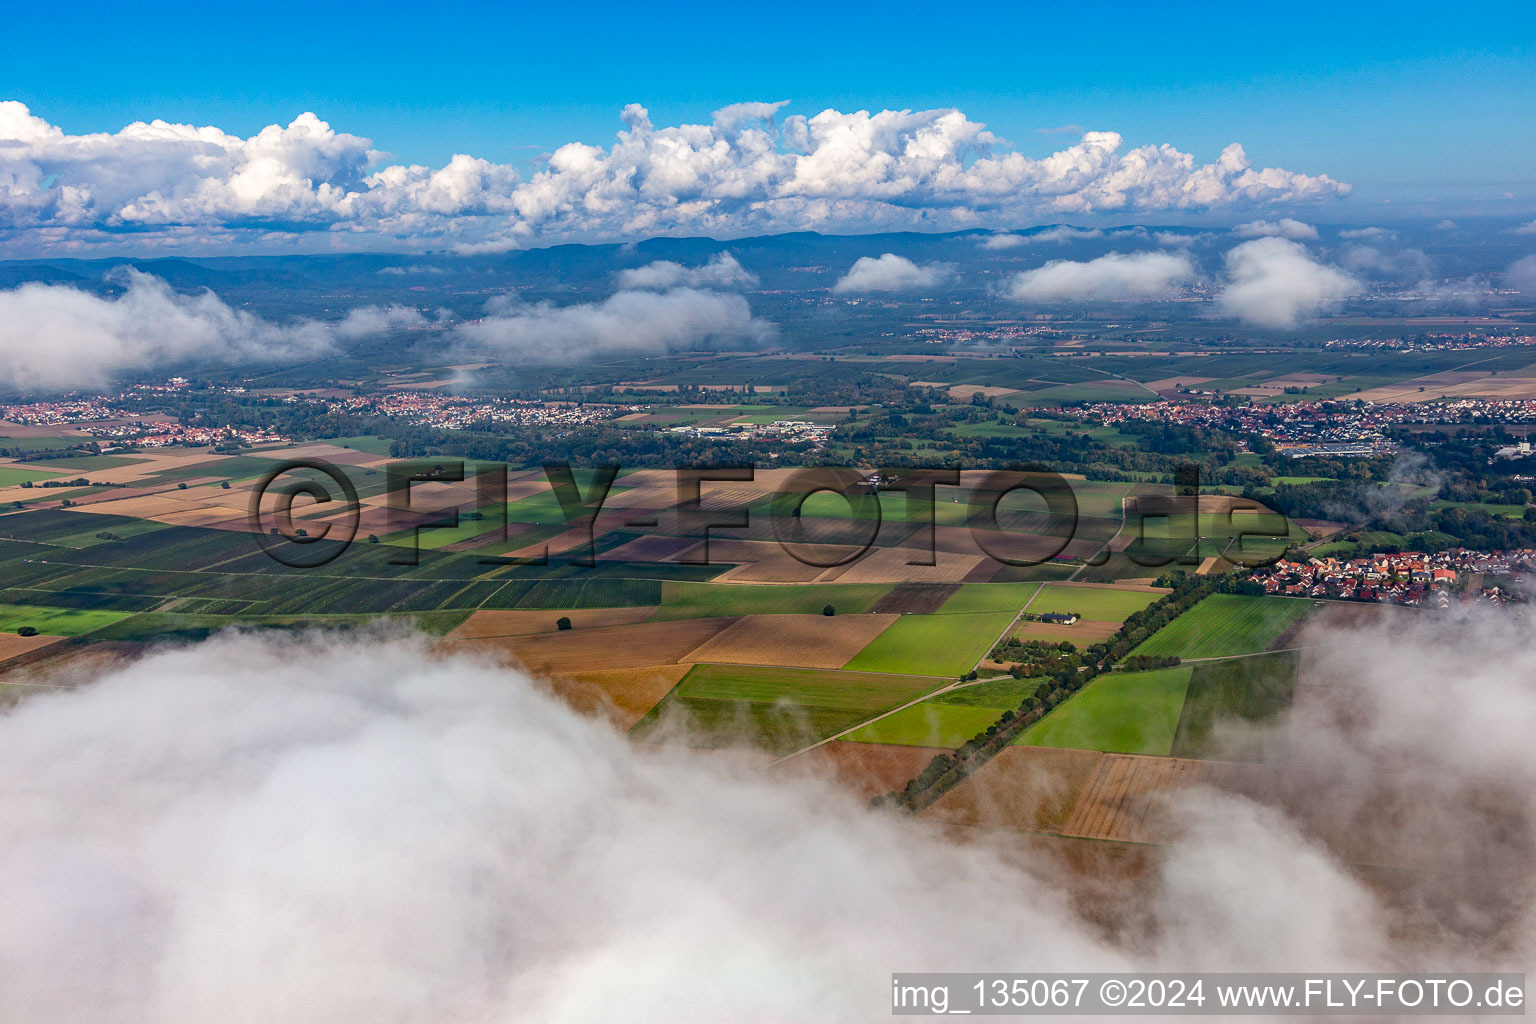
(10, 476)
(366, 443)
(1246, 689)
(1121, 712)
(932, 645)
(168, 625)
(695, 600)
(929, 724)
(1104, 605)
(1223, 625)
(999, 694)
(55, 621)
(861, 691)
(989, 597)
(774, 709)
(84, 463)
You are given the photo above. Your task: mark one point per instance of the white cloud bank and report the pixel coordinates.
(890, 273)
(182, 186)
(648, 322)
(54, 336)
(724, 271)
(1521, 275)
(1285, 227)
(1144, 275)
(364, 830)
(1275, 283)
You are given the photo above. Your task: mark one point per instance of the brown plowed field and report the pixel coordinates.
(635, 645)
(796, 641)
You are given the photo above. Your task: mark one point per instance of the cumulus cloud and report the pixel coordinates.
(55, 336)
(1146, 275)
(362, 829)
(1521, 275)
(1400, 264)
(723, 271)
(1526, 229)
(1370, 234)
(747, 170)
(1066, 233)
(1274, 282)
(628, 321)
(890, 273)
(1001, 242)
(1285, 227)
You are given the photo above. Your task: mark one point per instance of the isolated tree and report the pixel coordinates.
(373, 538)
(829, 610)
(563, 622)
(224, 485)
(27, 631)
(181, 486)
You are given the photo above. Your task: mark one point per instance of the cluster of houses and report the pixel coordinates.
(67, 410)
(456, 412)
(789, 431)
(167, 434)
(1410, 577)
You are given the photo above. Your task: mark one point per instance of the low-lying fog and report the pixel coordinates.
(363, 829)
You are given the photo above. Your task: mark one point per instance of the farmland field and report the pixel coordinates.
(805, 641)
(1223, 625)
(990, 597)
(864, 691)
(688, 600)
(865, 769)
(1244, 689)
(636, 645)
(1033, 788)
(1098, 603)
(933, 645)
(56, 621)
(1124, 712)
(929, 724)
(10, 476)
(774, 709)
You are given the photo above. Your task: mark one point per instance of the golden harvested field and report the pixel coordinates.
(634, 645)
(1031, 788)
(1082, 632)
(796, 641)
(490, 622)
(865, 769)
(621, 695)
(13, 646)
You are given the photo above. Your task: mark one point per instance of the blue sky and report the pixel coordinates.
(1112, 114)
(1406, 102)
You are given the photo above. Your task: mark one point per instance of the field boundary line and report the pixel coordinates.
(952, 687)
